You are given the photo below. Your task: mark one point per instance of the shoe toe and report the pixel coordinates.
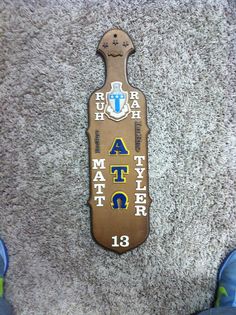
(3, 259)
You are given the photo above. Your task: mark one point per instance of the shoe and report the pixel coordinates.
(3, 266)
(3, 259)
(226, 292)
(5, 306)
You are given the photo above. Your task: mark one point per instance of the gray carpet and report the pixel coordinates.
(185, 64)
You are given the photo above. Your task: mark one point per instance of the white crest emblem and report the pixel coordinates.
(117, 107)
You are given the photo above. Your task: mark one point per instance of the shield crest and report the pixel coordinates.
(117, 107)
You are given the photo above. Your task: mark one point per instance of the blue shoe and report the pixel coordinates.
(5, 306)
(3, 259)
(226, 292)
(3, 265)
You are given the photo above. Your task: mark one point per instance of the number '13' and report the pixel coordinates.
(122, 241)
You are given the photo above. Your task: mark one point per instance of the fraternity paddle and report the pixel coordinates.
(117, 132)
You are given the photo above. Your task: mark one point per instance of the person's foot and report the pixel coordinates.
(5, 306)
(4, 258)
(3, 265)
(226, 292)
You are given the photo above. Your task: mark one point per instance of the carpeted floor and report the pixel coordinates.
(185, 64)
